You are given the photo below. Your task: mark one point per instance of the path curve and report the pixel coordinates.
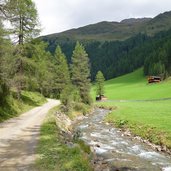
(19, 137)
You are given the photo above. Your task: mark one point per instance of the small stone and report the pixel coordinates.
(97, 145)
(164, 148)
(159, 149)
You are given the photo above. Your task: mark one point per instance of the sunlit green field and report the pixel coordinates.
(135, 86)
(148, 119)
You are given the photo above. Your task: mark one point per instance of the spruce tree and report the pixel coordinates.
(100, 83)
(61, 71)
(80, 72)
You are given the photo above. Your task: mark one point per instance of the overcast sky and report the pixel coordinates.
(59, 15)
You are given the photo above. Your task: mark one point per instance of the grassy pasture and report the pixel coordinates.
(148, 119)
(134, 86)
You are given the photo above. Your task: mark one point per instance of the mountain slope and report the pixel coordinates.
(102, 31)
(162, 22)
(115, 30)
(147, 44)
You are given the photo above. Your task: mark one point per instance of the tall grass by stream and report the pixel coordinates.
(150, 120)
(54, 154)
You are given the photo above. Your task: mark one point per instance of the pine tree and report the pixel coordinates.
(23, 17)
(80, 72)
(61, 71)
(100, 83)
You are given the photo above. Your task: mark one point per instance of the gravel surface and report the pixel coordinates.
(19, 137)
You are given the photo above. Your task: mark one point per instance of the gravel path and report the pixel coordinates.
(19, 137)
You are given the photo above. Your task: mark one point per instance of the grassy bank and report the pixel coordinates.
(134, 86)
(54, 154)
(14, 107)
(150, 120)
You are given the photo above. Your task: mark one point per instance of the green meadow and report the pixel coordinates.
(134, 86)
(148, 119)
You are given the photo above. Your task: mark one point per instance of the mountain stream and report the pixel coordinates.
(121, 153)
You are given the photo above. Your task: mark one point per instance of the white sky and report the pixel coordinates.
(59, 15)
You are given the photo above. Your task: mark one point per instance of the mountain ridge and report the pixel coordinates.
(133, 20)
(112, 31)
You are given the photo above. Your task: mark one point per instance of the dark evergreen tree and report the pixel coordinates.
(100, 83)
(61, 72)
(80, 72)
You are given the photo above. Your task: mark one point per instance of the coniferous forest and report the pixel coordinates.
(115, 58)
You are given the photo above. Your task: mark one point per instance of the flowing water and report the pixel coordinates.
(117, 150)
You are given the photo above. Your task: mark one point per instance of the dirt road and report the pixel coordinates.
(19, 137)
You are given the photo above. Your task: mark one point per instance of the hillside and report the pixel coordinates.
(162, 22)
(147, 40)
(134, 86)
(115, 58)
(103, 31)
